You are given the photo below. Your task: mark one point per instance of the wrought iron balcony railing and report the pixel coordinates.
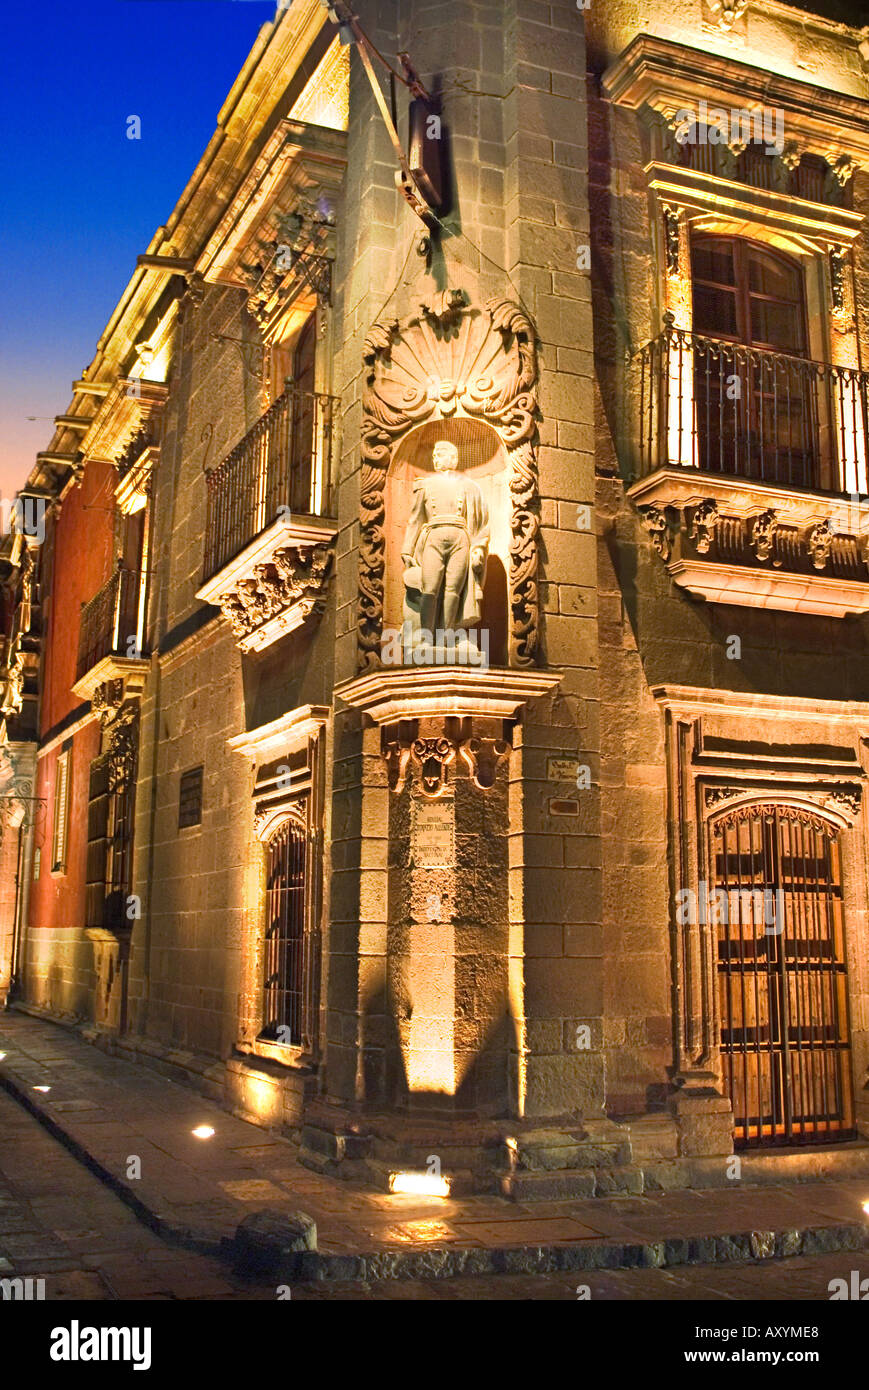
(285, 461)
(747, 412)
(109, 620)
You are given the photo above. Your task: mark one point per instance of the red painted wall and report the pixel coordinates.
(80, 560)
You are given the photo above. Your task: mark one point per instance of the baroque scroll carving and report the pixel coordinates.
(451, 359)
(296, 579)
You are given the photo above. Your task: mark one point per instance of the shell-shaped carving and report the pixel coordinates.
(453, 358)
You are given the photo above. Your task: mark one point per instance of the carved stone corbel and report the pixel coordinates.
(791, 155)
(763, 532)
(279, 595)
(432, 756)
(654, 521)
(726, 12)
(483, 757)
(703, 525)
(843, 168)
(819, 542)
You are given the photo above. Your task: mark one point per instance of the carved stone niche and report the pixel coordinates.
(276, 584)
(463, 372)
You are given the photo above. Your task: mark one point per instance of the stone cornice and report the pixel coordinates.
(388, 695)
(290, 731)
(693, 700)
(667, 77)
(802, 222)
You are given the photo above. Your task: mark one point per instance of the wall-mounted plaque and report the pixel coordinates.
(562, 769)
(433, 834)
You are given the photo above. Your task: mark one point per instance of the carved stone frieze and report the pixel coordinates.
(452, 358)
(283, 592)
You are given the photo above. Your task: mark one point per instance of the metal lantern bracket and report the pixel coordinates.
(415, 185)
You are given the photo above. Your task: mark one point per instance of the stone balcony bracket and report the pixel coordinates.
(275, 584)
(730, 540)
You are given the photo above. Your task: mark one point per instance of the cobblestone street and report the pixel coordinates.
(59, 1222)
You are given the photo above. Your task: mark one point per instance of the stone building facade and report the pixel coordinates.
(587, 911)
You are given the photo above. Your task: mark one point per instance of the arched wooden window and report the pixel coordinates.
(776, 910)
(755, 392)
(288, 967)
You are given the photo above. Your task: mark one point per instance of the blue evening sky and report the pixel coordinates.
(80, 200)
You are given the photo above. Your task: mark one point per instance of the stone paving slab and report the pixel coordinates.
(107, 1111)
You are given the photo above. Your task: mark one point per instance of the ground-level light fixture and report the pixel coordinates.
(203, 1132)
(42, 1088)
(866, 1208)
(419, 1184)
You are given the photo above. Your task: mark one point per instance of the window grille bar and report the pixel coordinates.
(782, 974)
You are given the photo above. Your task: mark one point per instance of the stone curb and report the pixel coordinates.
(448, 1262)
(169, 1231)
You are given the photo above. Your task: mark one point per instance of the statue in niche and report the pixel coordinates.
(445, 548)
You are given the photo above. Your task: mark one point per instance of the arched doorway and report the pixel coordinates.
(782, 976)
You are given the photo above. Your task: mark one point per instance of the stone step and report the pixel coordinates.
(559, 1185)
(463, 1182)
(556, 1150)
(652, 1137)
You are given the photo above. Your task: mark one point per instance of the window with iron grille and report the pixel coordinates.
(190, 798)
(289, 971)
(782, 976)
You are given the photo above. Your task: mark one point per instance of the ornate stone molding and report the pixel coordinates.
(279, 596)
(672, 235)
(486, 370)
(725, 531)
(798, 803)
(276, 583)
(123, 747)
(430, 756)
(388, 694)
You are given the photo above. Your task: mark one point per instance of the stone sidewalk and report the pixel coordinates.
(195, 1192)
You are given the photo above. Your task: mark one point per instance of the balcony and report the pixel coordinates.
(110, 636)
(268, 544)
(753, 473)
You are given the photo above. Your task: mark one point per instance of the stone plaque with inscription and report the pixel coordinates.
(562, 769)
(433, 834)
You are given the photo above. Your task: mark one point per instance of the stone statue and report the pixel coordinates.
(445, 548)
